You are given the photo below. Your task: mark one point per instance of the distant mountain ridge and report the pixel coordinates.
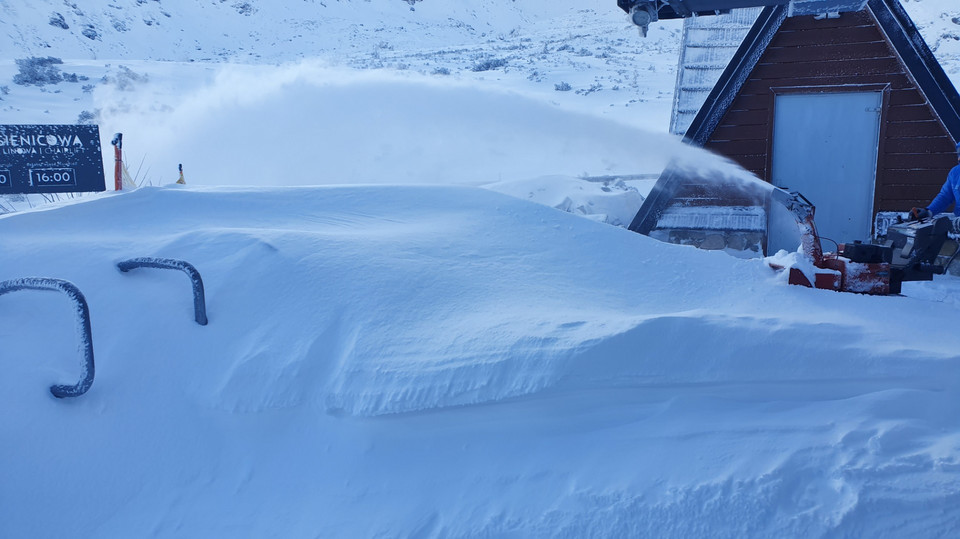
(257, 30)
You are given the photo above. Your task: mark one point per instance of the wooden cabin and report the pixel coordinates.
(851, 109)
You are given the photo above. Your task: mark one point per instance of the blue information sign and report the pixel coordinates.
(50, 159)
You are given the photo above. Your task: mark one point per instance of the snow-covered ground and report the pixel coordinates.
(422, 361)
(402, 342)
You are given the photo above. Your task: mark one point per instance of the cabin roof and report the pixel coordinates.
(893, 20)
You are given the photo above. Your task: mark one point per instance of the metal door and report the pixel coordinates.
(825, 147)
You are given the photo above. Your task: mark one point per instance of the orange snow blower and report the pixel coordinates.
(909, 253)
(721, 208)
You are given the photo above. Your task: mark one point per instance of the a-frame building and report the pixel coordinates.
(851, 109)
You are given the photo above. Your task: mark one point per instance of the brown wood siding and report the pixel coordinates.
(916, 152)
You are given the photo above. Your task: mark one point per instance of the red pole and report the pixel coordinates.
(118, 165)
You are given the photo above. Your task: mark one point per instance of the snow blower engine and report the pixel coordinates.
(909, 253)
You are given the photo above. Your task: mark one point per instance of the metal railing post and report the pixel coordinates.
(199, 301)
(87, 370)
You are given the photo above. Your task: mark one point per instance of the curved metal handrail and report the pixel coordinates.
(199, 301)
(87, 370)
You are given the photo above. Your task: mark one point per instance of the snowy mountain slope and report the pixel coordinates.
(543, 44)
(939, 23)
(577, 57)
(449, 361)
(574, 56)
(278, 31)
(282, 31)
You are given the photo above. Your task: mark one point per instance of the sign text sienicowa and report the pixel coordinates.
(50, 159)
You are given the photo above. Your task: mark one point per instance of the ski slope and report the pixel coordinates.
(423, 361)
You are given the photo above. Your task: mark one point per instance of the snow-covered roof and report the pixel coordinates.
(707, 47)
(739, 218)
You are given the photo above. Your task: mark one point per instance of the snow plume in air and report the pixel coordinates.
(719, 174)
(307, 124)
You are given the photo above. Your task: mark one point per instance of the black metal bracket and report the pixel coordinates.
(83, 318)
(199, 302)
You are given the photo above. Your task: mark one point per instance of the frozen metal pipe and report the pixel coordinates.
(83, 319)
(199, 302)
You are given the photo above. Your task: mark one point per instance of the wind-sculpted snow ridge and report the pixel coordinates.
(659, 355)
(606, 199)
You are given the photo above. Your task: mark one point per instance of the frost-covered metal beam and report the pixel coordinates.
(643, 12)
(83, 319)
(671, 9)
(199, 301)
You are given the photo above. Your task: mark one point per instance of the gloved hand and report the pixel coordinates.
(956, 225)
(918, 214)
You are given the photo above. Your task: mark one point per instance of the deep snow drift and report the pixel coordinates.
(450, 361)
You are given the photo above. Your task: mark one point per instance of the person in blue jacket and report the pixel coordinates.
(949, 194)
